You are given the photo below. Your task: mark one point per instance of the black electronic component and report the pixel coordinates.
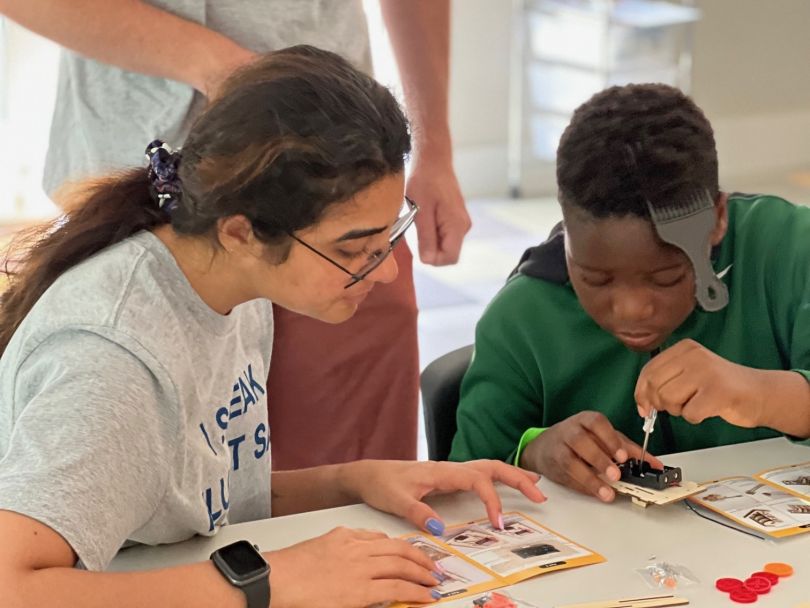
(646, 476)
(530, 551)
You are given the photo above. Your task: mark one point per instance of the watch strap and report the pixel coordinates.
(258, 593)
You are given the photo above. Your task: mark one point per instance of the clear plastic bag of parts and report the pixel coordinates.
(665, 575)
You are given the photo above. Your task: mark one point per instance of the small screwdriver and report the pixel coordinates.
(649, 425)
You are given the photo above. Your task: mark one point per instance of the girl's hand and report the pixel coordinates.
(349, 569)
(579, 451)
(398, 487)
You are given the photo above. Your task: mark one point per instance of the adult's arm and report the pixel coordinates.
(135, 36)
(419, 31)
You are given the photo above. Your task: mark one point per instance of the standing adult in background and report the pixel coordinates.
(136, 71)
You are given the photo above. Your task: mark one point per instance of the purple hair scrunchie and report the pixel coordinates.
(164, 183)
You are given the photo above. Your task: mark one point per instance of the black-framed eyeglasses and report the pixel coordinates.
(397, 232)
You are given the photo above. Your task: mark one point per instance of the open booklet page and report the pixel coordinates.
(794, 478)
(774, 502)
(475, 557)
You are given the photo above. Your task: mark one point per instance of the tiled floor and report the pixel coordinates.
(451, 299)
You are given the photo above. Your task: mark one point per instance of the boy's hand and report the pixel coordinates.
(690, 381)
(578, 451)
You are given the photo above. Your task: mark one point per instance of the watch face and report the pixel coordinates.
(243, 560)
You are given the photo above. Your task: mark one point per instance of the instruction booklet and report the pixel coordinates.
(474, 557)
(774, 503)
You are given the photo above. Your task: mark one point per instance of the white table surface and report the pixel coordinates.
(627, 535)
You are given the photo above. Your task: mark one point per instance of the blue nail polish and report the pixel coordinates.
(435, 594)
(434, 526)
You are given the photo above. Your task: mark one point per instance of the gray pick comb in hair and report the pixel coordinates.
(688, 224)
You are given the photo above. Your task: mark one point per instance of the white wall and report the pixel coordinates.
(752, 57)
(752, 78)
(29, 87)
(479, 56)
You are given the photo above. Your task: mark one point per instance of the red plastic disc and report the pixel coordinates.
(743, 596)
(728, 584)
(772, 578)
(758, 584)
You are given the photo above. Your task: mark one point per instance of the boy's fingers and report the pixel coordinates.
(698, 407)
(594, 456)
(589, 483)
(634, 451)
(601, 427)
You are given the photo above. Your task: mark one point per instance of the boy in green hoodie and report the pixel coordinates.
(562, 366)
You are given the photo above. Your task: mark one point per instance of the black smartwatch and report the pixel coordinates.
(245, 568)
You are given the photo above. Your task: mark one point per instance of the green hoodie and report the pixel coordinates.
(539, 358)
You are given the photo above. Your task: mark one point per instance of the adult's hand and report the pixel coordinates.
(442, 221)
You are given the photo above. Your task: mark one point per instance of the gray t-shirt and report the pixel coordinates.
(105, 116)
(130, 410)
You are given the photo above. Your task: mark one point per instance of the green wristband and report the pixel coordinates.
(801, 440)
(528, 436)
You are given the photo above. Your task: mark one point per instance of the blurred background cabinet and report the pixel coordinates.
(564, 51)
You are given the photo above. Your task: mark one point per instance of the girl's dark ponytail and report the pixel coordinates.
(111, 210)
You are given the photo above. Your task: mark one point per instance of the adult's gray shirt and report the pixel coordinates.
(105, 116)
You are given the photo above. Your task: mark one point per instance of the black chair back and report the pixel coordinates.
(441, 381)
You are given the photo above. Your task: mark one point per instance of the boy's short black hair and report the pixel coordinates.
(632, 141)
